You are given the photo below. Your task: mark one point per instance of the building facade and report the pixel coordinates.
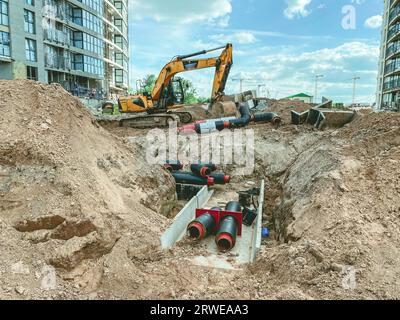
(388, 97)
(81, 44)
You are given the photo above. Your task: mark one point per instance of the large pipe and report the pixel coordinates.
(220, 178)
(228, 228)
(200, 170)
(190, 178)
(202, 227)
(233, 206)
(173, 165)
(227, 233)
(210, 165)
(267, 117)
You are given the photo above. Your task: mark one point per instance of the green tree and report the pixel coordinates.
(148, 83)
(191, 96)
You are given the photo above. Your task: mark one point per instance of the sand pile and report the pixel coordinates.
(70, 192)
(336, 212)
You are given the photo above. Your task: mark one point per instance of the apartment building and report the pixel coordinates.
(81, 44)
(388, 97)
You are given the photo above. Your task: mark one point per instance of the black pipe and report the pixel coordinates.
(227, 233)
(190, 178)
(220, 178)
(174, 165)
(233, 206)
(200, 170)
(266, 117)
(245, 117)
(202, 227)
(213, 167)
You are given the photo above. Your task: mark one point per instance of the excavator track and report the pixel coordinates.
(149, 121)
(185, 117)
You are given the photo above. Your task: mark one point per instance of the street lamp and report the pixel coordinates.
(318, 76)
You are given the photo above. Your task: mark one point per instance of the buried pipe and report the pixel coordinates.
(203, 226)
(190, 178)
(228, 228)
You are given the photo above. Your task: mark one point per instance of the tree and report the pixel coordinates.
(148, 83)
(191, 96)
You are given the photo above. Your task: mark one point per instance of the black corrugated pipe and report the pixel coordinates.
(190, 178)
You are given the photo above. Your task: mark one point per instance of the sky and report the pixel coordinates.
(280, 45)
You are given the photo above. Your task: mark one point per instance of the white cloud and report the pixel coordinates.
(296, 8)
(374, 22)
(242, 37)
(182, 12)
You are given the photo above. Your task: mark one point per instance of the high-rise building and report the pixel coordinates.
(388, 97)
(81, 44)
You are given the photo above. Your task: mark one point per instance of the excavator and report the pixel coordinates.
(162, 106)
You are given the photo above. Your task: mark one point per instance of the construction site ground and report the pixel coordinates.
(83, 200)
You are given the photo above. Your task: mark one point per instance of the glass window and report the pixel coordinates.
(4, 44)
(31, 73)
(30, 2)
(30, 50)
(3, 13)
(29, 25)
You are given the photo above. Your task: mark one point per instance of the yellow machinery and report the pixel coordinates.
(168, 94)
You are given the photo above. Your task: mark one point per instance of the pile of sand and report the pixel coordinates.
(70, 192)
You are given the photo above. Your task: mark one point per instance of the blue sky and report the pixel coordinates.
(281, 44)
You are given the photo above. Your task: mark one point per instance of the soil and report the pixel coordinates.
(81, 203)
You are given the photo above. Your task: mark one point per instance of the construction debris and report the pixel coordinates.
(322, 116)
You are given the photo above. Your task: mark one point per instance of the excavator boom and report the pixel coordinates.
(181, 64)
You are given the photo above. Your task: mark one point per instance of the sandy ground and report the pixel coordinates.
(80, 210)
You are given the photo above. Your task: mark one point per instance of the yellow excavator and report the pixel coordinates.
(163, 104)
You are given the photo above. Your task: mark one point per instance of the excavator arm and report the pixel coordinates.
(181, 64)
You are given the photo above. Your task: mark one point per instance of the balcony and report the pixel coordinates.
(57, 62)
(394, 14)
(56, 36)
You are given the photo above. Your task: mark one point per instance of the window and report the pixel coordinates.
(31, 73)
(30, 2)
(29, 25)
(4, 44)
(3, 13)
(30, 50)
(88, 64)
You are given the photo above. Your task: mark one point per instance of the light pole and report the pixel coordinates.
(259, 89)
(354, 88)
(318, 76)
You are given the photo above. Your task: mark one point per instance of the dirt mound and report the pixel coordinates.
(336, 213)
(284, 107)
(69, 190)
